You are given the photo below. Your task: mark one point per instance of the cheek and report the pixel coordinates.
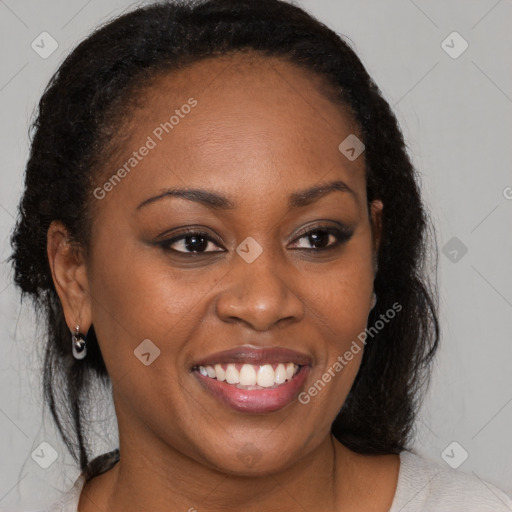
(339, 302)
(137, 295)
(340, 292)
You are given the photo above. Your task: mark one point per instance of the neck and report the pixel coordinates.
(152, 475)
(165, 479)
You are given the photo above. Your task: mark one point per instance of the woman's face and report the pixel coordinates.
(253, 135)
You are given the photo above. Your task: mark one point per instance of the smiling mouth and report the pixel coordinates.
(253, 380)
(250, 376)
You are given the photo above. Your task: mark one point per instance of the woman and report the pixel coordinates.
(220, 219)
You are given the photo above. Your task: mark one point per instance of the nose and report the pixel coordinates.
(259, 294)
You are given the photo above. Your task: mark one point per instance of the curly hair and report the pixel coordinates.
(91, 94)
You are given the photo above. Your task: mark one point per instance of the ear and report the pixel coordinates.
(69, 275)
(376, 208)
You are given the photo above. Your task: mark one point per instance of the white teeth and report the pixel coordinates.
(247, 375)
(232, 375)
(280, 374)
(220, 373)
(266, 376)
(252, 376)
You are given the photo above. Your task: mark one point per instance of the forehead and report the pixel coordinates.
(266, 96)
(240, 121)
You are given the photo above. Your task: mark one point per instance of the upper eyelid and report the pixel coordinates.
(301, 233)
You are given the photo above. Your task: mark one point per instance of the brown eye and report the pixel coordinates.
(191, 242)
(324, 237)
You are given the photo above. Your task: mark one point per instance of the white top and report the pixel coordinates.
(423, 486)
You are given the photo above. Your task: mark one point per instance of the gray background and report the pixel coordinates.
(456, 117)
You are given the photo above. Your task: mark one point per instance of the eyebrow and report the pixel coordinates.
(216, 201)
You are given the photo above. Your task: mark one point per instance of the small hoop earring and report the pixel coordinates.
(374, 300)
(78, 344)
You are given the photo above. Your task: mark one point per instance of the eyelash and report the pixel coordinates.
(341, 235)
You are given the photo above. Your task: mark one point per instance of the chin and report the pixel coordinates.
(252, 460)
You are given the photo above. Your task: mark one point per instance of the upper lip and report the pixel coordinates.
(255, 356)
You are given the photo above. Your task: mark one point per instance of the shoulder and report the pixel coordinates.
(428, 486)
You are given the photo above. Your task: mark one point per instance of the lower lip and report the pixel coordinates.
(255, 400)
